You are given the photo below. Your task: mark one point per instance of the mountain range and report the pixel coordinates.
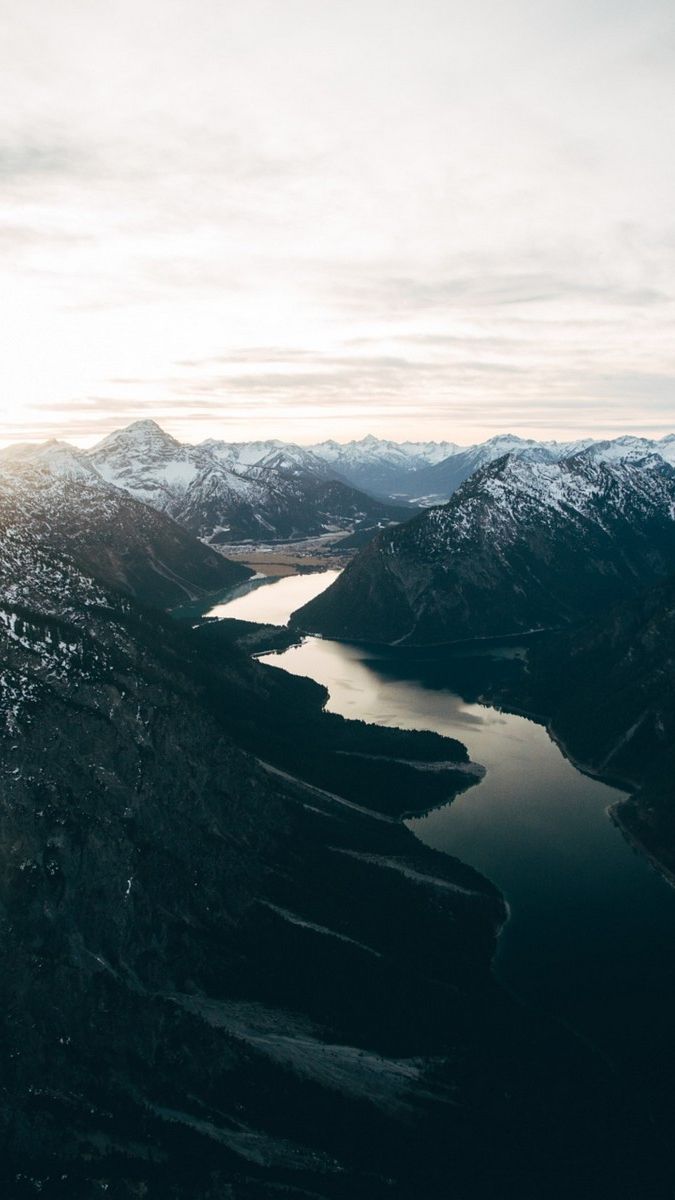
(225, 492)
(219, 493)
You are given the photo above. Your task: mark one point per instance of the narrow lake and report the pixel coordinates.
(591, 934)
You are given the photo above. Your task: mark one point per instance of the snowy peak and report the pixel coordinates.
(146, 461)
(54, 456)
(291, 460)
(145, 432)
(373, 449)
(140, 439)
(440, 481)
(516, 489)
(380, 466)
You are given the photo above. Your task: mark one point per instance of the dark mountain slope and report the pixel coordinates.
(286, 508)
(609, 689)
(521, 545)
(111, 536)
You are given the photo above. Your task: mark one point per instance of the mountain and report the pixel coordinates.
(219, 494)
(608, 688)
(264, 489)
(380, 466)
(633, 449)
(147, 462)
(435, 481)
(55, 456)
(294, 462)
(220, 980)
(283, 456)
(109, 535)
(521, 545)
(439, 480)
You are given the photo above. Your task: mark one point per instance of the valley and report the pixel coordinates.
(344, 927)
(591, 924)
(337, 601)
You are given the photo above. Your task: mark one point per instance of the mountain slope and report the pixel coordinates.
(520, 546)
(609, 690)
(278, 507)
(108, 534)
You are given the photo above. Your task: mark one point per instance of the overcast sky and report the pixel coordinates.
(323, 218)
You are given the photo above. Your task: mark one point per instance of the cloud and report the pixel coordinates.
(324, 216)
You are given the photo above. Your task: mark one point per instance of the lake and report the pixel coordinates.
(591, 933)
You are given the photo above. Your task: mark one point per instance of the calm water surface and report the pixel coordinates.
(591, 935)
(271, 600)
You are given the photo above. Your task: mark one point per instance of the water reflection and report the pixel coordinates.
(271, 601)
(592, 929)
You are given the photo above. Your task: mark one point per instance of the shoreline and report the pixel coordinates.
(280, 559)
(614, 814)
(629, 788)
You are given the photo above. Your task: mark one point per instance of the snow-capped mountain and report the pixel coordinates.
(58, 457)
(632, 449)
(285, 457)
(227, 493)
(381, 466)
(147, 462)
(438, 481)
(521, 545)
(435, 483)
(270, 490)
(104, 531)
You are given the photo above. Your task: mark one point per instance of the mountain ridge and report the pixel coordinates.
(424, 470)
(519, 546)
(109, 534)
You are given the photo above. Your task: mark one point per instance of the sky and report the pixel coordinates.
(325, 218)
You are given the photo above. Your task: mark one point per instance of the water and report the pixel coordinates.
(591, 932)
(271, 601)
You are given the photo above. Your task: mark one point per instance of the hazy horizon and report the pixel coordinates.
(427, 221)
(86, 443)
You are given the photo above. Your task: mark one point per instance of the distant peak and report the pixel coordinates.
(145, 433)
(507, 437)
(147, 425)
